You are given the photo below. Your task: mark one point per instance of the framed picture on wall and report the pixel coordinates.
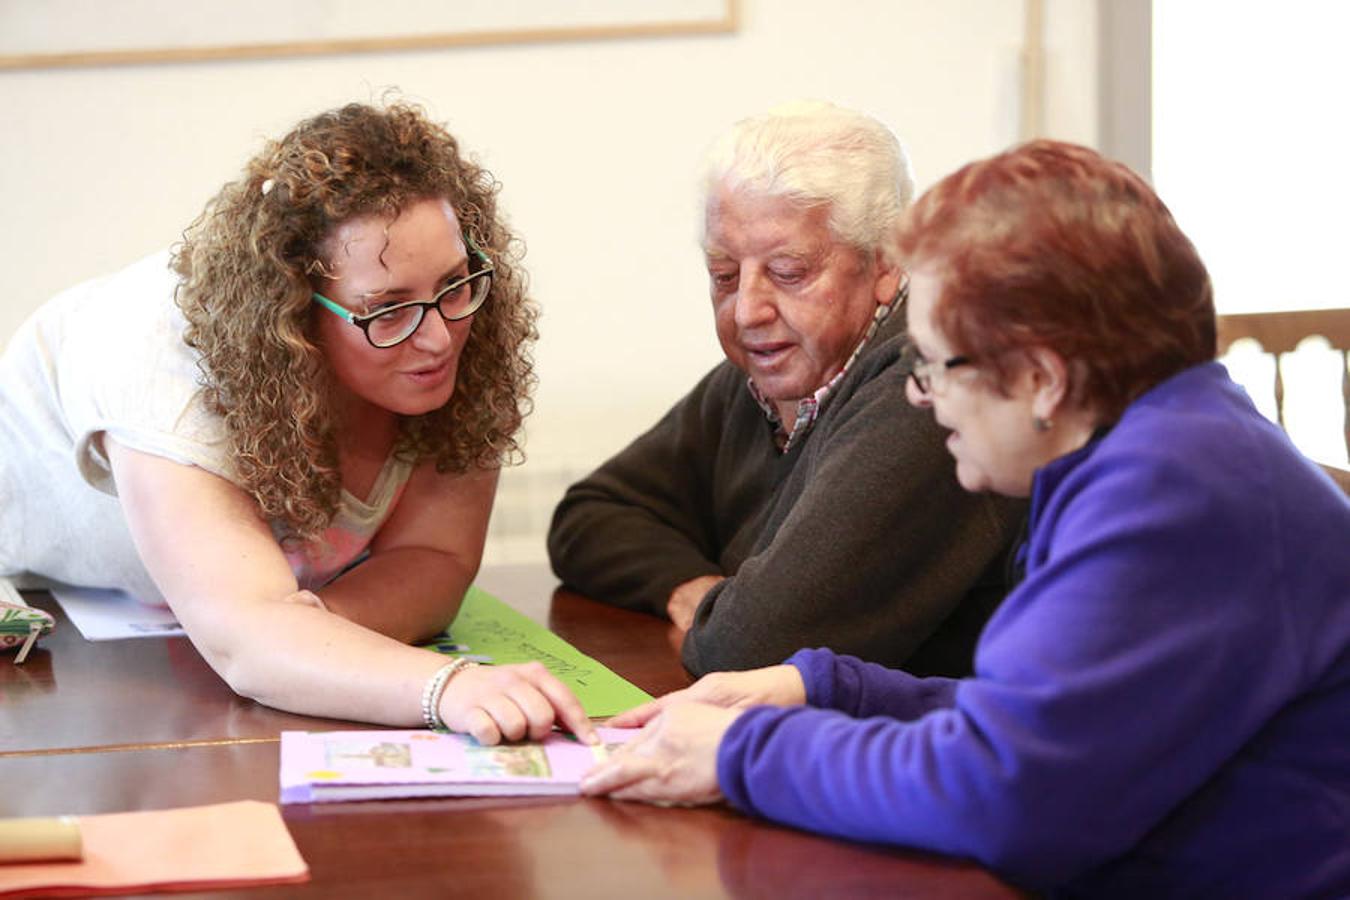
(54, 33)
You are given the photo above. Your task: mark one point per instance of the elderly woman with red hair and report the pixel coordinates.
(1162, 705)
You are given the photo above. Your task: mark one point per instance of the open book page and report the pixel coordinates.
(322, 766)
(104, 614)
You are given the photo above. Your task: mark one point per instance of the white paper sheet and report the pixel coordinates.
(105, 615)
(10, 594)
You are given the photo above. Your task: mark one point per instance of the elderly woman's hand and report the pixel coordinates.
(672, 762)
(771, 686)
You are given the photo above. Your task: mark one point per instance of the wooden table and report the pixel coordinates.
(144, 724)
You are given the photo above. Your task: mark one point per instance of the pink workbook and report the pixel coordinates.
(324, 766)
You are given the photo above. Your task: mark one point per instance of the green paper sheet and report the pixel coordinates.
(488, 630)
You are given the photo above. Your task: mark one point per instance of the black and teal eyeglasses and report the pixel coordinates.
(393, 325)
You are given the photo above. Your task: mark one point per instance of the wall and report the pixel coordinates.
(596, 143)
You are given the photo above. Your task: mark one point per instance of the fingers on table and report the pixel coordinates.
(619, 776)
(640, 715)
(481, 726)
(565, 705)
(513, 703)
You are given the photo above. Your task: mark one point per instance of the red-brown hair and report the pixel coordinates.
(1052, 245)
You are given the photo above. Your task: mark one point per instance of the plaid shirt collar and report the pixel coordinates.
(808, 408)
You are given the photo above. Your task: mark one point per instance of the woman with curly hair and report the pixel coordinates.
(290, 428)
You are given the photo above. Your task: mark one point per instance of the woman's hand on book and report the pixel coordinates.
(772, 685)
(672, 762)
(510, 703)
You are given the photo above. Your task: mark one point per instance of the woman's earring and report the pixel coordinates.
(1042, 424)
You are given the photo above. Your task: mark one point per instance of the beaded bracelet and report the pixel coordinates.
(431, 694)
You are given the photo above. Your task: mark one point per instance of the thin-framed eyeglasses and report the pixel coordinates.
(927, 374)
(393, 325)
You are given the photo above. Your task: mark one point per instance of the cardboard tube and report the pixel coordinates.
(39, 840)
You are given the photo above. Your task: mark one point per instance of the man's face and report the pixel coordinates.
(790, 301)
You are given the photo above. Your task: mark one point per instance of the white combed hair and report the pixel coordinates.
(815, 153)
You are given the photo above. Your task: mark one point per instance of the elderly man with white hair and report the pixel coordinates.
(794, 498)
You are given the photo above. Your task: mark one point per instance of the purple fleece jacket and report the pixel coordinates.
(1160, 708)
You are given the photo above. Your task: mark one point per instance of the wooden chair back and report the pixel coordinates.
(1338, 475)
(1279, 333)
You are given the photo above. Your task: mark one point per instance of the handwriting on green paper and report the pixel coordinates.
(487, 629)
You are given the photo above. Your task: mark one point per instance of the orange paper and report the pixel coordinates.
(199, 847)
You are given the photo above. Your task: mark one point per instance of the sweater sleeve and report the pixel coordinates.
(1115, 682)
(871, 546)
(861, 689)
(639, 526)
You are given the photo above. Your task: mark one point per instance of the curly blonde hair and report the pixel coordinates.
(244, 266)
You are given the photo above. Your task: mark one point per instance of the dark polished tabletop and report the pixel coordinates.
(97, 727)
